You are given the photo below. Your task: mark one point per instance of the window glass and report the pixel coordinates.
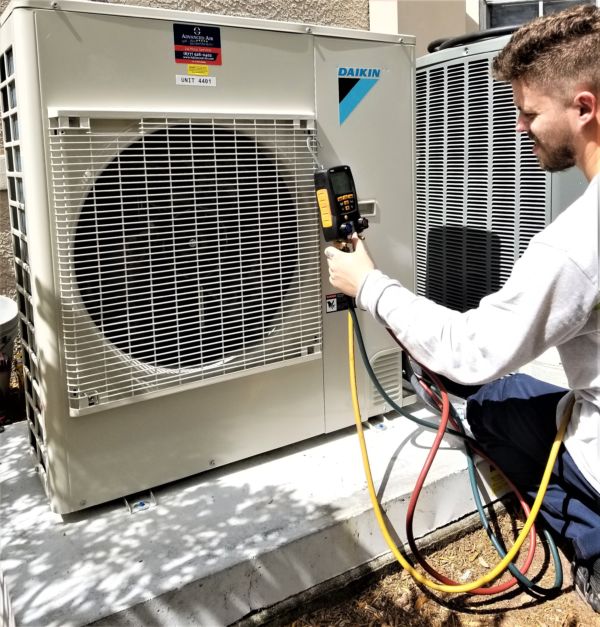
(511, 13)
(552, 6)
(514, 12)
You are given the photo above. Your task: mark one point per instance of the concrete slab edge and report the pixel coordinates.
(351, 582)
(280, 578)
(7, 618)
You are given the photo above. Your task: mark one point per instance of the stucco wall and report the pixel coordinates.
(415, 18)
(346, 13)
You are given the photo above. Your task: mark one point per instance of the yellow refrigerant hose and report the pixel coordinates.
(503, 565)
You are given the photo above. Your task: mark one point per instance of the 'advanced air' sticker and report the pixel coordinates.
(197, 44)
(354, 83)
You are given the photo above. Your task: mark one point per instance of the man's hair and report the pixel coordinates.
(559, 48)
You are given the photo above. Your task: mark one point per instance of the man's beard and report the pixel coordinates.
(554, 158)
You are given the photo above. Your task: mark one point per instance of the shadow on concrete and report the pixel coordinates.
(212, 549)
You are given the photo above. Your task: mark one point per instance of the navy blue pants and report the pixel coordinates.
(514, 421)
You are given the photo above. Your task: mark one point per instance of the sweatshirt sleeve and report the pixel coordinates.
(542, 304)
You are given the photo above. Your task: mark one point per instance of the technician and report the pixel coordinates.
(552, 298)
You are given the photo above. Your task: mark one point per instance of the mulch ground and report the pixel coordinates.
(394, 600)
(12, 400)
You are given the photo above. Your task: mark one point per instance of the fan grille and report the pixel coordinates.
(188, 251)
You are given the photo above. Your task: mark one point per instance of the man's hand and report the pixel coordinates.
(347, 271)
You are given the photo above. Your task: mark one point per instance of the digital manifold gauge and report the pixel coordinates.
(338, 204)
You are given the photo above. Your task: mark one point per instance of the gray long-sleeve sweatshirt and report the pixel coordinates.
(552, 298)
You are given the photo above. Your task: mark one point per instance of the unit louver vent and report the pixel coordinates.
(480, 193)
(387, 366)
(188, 256)
(19, 216)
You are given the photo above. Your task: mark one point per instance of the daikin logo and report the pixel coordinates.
(354, 83)
(359, 72)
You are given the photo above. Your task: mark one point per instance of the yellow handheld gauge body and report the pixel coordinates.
(338, 203)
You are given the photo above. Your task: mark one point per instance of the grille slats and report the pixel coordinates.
(187, 252)
(480, 194)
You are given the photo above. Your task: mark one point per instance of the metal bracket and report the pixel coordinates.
(140, 501)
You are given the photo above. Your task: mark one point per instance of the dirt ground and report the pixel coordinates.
(394, 600)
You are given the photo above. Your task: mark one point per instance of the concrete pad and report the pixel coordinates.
(217, 546)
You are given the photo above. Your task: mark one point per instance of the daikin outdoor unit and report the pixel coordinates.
(175, 313)
(480, 193)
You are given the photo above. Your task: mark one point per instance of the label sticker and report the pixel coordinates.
(197, 44)
(196, 81)
(354, 83)
(495, 480)
(198, 70)
(336, 302)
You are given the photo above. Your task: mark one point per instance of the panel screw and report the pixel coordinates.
(309, 30)
(212, 462)
(54, 4)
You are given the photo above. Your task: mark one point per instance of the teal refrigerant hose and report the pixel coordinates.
(470, 447)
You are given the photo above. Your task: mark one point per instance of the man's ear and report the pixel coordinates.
(587, 105)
